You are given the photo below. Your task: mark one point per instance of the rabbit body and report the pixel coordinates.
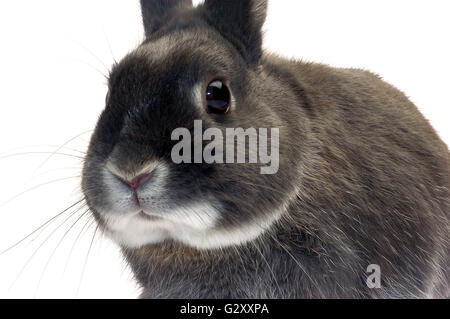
(363, 179)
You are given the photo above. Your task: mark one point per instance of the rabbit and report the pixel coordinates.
(363, 179)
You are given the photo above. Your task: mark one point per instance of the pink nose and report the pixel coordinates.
(139, 181)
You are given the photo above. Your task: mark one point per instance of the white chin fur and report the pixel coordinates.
(197, 230)
(134, 231)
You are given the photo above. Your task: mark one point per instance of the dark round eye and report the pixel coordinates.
(218, 98)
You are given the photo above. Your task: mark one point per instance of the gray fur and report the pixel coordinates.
(364, 178)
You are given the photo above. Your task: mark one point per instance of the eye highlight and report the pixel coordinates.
(218, 98)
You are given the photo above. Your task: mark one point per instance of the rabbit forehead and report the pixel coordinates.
(160, 48)
(205, 42)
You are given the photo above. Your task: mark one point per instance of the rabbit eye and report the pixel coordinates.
(218, 98)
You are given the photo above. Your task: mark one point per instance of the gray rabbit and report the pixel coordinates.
(363, 179)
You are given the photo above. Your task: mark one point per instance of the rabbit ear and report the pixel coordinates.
(154, 12)
(240, 21)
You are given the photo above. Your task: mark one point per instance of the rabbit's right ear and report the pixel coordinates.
(154, 12)
(240, 21)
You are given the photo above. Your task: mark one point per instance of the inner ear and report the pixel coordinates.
(241, 22)
(156, 12)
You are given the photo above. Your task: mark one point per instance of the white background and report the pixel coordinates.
(53, 55)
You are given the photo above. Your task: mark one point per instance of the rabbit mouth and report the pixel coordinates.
(149, 217)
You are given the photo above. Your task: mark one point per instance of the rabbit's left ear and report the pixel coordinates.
(155, 12)
(240, 21)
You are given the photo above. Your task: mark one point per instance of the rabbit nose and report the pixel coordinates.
(132, 180)
(140, 180)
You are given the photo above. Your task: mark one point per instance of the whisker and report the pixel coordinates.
(59, 148)
(89, 65)
(15, 149)
(56, 170)
(40, 153)
(86, 261)
(41, 245)
(42, 227)
(89, 222)
(56, 248)
(36, 187)
(92, 54)
(109, 46)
